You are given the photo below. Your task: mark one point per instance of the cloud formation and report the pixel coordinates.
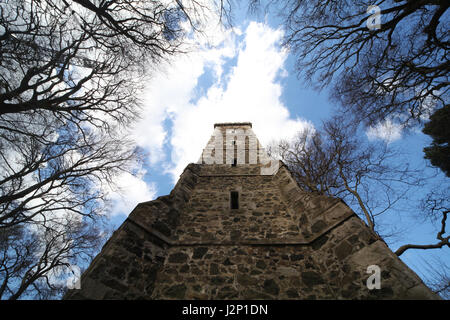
(234, 81)
(132, 189)
(386, 130)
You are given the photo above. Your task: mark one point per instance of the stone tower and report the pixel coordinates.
(237, 226)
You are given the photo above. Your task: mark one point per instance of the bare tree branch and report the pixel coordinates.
(334, 161)
(434, 205)
(71, 72)
(399, 71)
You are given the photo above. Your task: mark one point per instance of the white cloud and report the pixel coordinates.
(386, 130)
(132, 190)
(249, 91)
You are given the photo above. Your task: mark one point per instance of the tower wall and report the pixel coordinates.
(281, 243)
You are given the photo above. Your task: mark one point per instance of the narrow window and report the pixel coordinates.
(234, 199)
(234, 162)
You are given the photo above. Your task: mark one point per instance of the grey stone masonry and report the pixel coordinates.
(280, 243)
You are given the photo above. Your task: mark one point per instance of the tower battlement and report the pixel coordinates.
(235, 144)
(233, 124)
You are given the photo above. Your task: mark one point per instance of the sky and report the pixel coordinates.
(242, 75)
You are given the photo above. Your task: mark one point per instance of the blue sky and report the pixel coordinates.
(242, 75)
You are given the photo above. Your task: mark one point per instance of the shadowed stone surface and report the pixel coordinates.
(282, 243)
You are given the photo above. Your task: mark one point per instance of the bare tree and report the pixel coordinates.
(70, 76)
(397, 69)
(53, 195)
(34, 262)
(436, 273)
(335, 161)
(437, 207)
(68, 173)
(78, 66)
(85, 61)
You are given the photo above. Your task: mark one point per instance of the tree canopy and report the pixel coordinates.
(396, 70)
(71, 72)
(438, 128)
